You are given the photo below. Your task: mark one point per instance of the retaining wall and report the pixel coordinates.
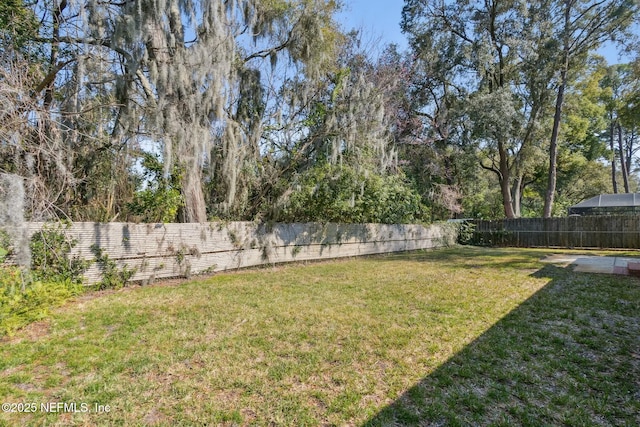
(180, 250)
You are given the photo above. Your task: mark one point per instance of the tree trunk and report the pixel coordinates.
(504, 176)
(613, 157)
(194, 209)
(58, 8)
(506, 199)
(623, 166)
(516, 196)
(630, 137)
(553, 145)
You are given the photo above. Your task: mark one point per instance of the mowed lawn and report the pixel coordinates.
(450, 337)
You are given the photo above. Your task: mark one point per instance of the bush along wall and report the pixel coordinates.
(27, 295)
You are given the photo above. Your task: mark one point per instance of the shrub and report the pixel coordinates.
(22, 302)
(161, 199)
(51, 258)
(333, 193)
(465, 232)
(112, 277)
(27, 296)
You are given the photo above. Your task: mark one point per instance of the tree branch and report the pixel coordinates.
(146, 85)
(267, 52)
(490, 168)
(48, 79)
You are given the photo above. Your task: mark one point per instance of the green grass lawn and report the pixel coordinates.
(450, 337)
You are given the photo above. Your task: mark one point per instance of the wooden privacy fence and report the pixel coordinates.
(568, 232)
(179, 250)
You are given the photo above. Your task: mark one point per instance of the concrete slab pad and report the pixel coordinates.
(623, 262)
(593, 264)
(594, 268)
(633, 265)
(560, 259)
(633, 268)
(596, 261)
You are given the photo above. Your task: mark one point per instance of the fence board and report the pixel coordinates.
(615, 232)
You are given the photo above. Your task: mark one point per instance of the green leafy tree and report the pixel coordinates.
(580, 27)
(487, 57)
(18, 25)
(345, 121)
(582, 150)
(159, 199)
(334, 193)
(620, 102)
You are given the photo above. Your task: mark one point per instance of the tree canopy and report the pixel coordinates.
(189, 110)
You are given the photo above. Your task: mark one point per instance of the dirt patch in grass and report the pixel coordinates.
(32, 332)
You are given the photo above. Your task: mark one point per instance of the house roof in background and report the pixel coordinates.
(610, 200)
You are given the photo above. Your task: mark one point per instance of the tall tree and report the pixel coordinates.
(493, 55)
(579, 26)
(427, 128)
(581, 171)
(619, 84)
(343, 125)
(181, 76)
(193, 79)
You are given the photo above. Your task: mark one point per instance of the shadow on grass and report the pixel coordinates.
(569, 355)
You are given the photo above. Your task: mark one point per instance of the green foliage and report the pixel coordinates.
(502, 66)
(20, 307)
(494, 238)
(112, 277)
(56, 276)
(333, 193)
(50, 255)
(465, 232)
(161, 199)
(579, 179)
(18, 24)
(584, 113)
(156, 205)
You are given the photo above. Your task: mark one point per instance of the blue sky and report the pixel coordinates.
(381, 19)
(377, 18)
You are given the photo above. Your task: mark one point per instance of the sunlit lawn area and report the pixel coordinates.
(450, 337)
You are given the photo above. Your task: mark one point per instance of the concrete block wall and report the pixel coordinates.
(158, 251)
